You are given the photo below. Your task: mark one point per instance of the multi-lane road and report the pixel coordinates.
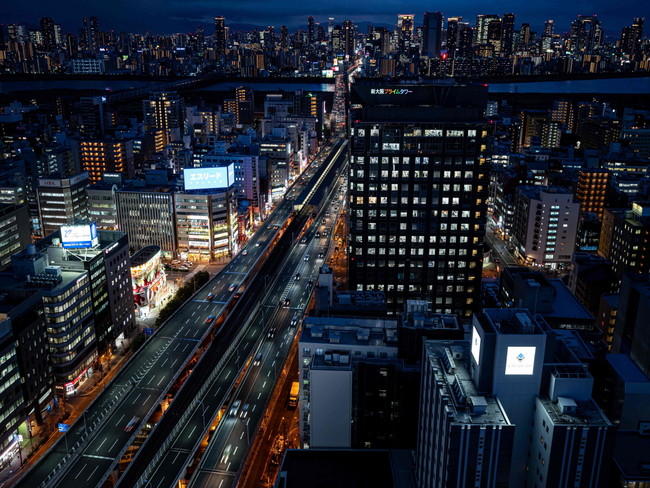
(89, 451)
(163, 458)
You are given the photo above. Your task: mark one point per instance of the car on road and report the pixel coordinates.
(226, 454)
(244, 411)
(287, 302)
(258, 359)
(231, 287)
(297, 277)
(131, 425)
(303, 240)
(244, 252)
(321, 255)
(294, 320)
(317, 234)
(271, 333)
(234, 409)
(210, 319)
(306, 258)
(210, 297)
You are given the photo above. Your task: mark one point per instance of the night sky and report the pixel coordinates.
(167, 16)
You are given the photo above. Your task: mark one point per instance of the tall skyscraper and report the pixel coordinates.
(220, 35)
(405, 28)
(549, 27)
(586, 34)
(91, 33)
(452, 35)
(507, 33)
(432, 34)
(418, 189)
(482, 22)
(631, 37)
(348, 37)
(310, 30)
(47, 32)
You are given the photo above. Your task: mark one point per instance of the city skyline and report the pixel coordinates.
(173, 17)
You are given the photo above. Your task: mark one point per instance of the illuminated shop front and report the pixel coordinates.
(148, 276)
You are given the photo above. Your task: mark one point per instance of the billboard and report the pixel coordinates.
(79, 236)
(520, 360)
(476, 345)
(209, 178)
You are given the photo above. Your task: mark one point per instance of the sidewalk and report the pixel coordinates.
(44, 436)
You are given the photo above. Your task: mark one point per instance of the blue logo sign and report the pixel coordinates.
(63, 427)
(148, 331)
(520, 357)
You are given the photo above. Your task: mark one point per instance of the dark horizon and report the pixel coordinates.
(181, 17)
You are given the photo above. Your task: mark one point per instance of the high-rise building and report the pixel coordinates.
(61, 201)
(164, 110)
(13, 404)
(432, 34)
(549, 27)
(15, 231)
(592, 190)
(465, 437)
(632, 329)
(507, 34)
(310, 31)
(348, 37)
(545, 225)
(417, 152)
(92, 116)
(107, 155)
(47, 32)
(631, 37)
(220, 35)
(91, 33)
(404, 32)
(145, 211)
(625, 239)
(482, 23)
(452, 35)
(465, 39)
(586, 34)
(206, 223)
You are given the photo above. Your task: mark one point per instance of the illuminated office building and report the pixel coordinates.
(593, 187)
(220, 35)
(418, 188)
(145, 211)
(61, 201)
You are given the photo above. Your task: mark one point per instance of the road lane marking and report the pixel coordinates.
(235, 450)
(120, 421)
(147, 399)
(254, 405)
(259, 395)
(160, 380)
(242, 435)
(193, 429)
(100, 446)
(177, 344)
(264, 384)
(175, 458)
(91, 474)
(112, 446)
(80, 471)
(136, 399)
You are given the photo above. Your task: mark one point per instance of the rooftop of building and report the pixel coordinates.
(567, 411)
(346, 468)
(534, 191)
(626, 369)
(449, 361)
(361, 331)
(566, 305)
(144, 255)
(510, 321)
(632, 456)
(418, 315)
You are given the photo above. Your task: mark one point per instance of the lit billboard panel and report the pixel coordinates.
(79, 236)
(520, 360)
(209, 178)
(476, 345)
